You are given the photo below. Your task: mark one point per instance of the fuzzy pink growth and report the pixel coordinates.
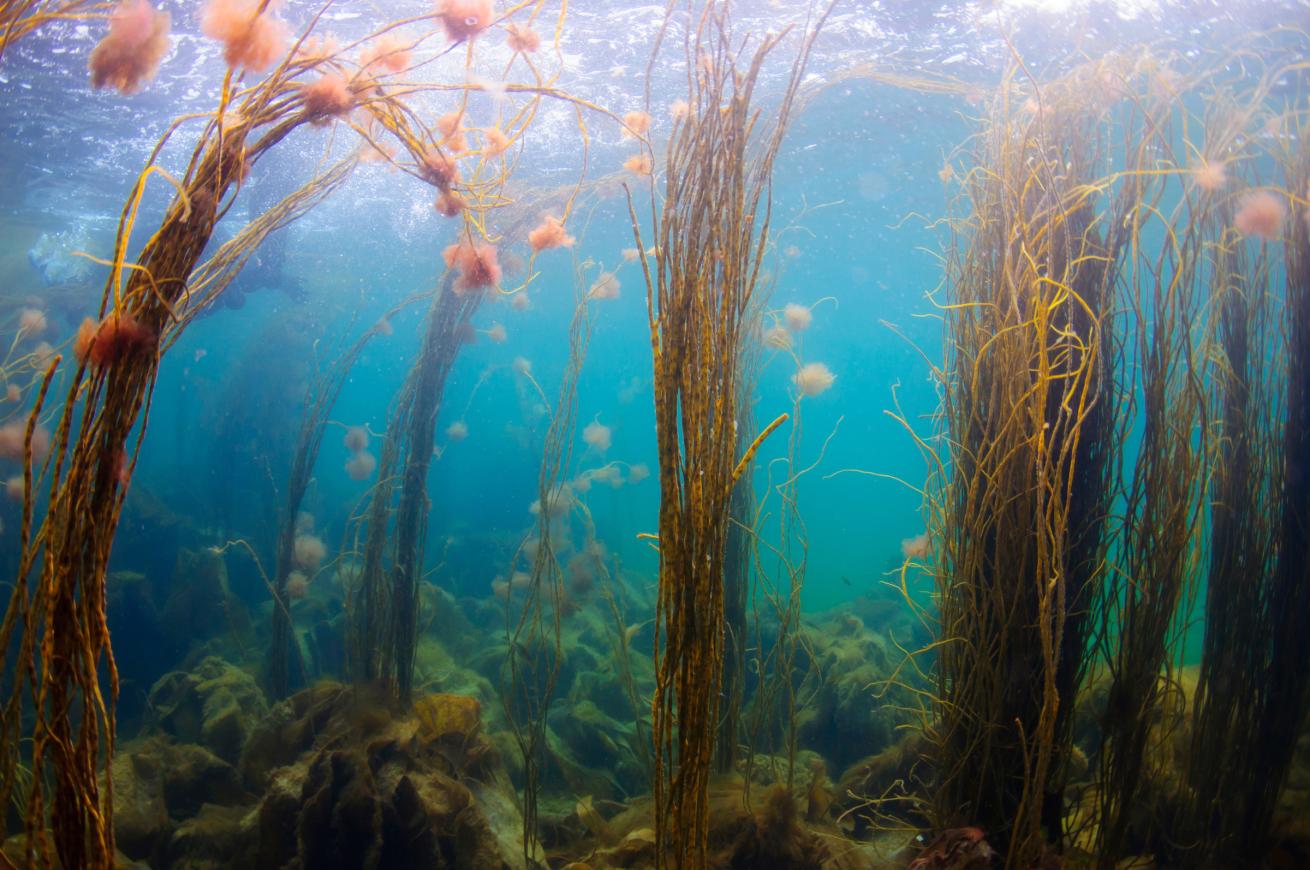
(388, 55)
(297, 586)
(13, 435)
(249, 39)
(361, 465)
(327, 98)
(356, 439)
(130, 53)
(31, 321)
(636, 124)
(1210, 175)
(116, 339)
(916, 547)
(449, 123)
(438, 169)
(464, 19)
(1261, 215)
(638, 164)
(522, 38)
(496, 141)
(549, 234)
(448, 204)
(477, 265)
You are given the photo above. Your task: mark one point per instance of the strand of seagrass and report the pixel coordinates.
(1243, 545)
(1152, 586)
(286, 666)
(736, 583)
(385, 603)
(1247, 369)
(386, 607)
(18, 18)
(1285, 701)
(92, 465)
(783, 595)
(710, 235)
(368, 607)
(447, 327)
(739, 555)
(534, 656)
(1161, 544)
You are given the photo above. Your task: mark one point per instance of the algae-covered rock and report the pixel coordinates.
(14, 851)
(1294, 802)
(216, 704)
(277, 819)
(158, 783)
(340, 818)
(750, 826)
(349, 779)
(774, 837)
(498, 806)
(215, 837)
(194, 776)
(141, 821)
(887, 774)
(853, 710)
(448, 619)
(290, 729)
(566, 774)
(598, 755)
(442, 716)
(607, 691)
(438, 670)
(636, 849)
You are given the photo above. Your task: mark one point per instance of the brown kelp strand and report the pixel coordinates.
(534, 652)
(1249, 695)
(20, 17)
(710, 232)
(737, 563)
(1029, 399)
(1222, 768)
(211, 277)
(1150, 588)
(1285, 702)
(117, 359)
(286, 666)
(1099, 272)
(386, 609)
(59, 619)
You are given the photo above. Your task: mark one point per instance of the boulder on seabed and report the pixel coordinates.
(216, 705)
(381, 786)
(159, 783)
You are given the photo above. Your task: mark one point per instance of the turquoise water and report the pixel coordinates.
(863, 158)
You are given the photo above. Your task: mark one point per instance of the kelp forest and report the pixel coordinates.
(810, 435)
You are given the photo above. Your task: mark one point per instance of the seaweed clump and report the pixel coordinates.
(774, 837)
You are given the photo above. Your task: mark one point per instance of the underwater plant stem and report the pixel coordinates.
(710, 237)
